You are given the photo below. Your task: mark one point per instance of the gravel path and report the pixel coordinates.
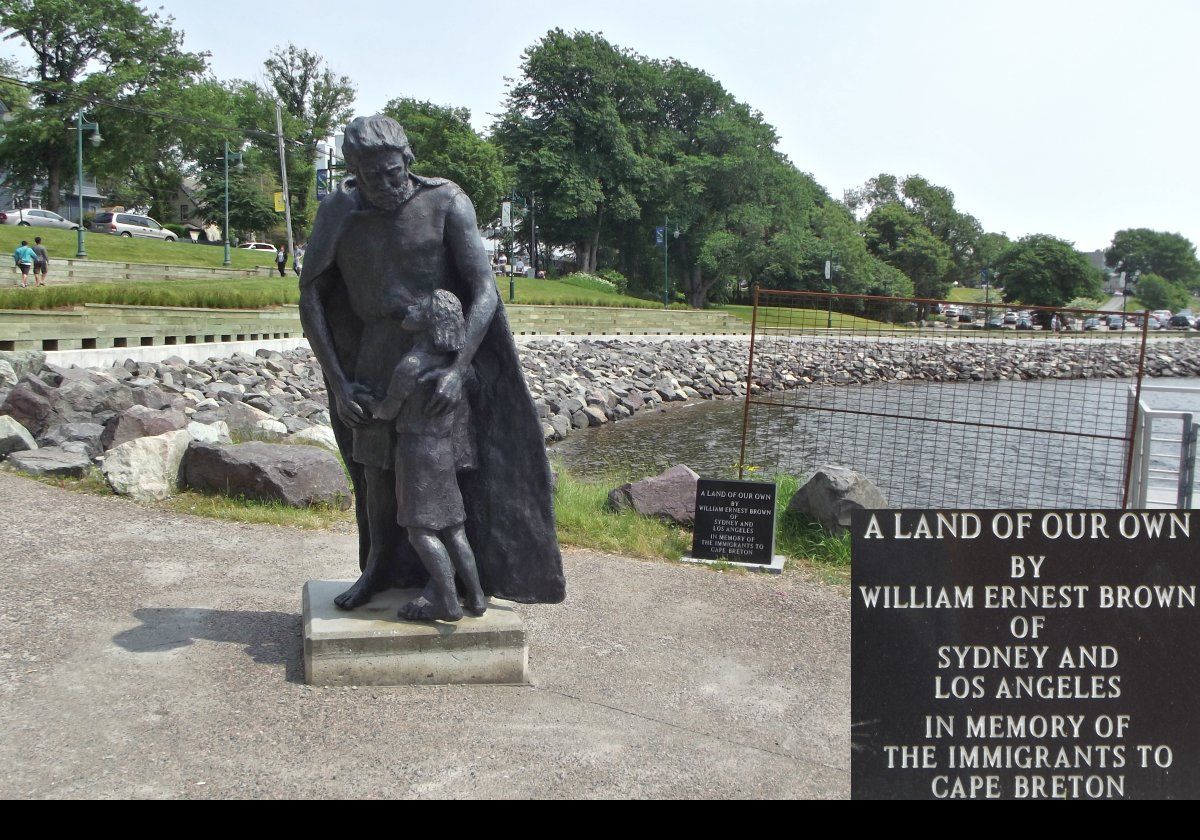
(149, 654)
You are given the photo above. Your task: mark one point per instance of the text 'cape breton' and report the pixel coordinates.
(510, 517)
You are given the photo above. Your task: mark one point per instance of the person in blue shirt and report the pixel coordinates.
(24, 258)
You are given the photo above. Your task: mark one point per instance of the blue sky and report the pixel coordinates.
(1070, 118)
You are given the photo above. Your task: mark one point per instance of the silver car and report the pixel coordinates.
(130, 224)
(30, 217)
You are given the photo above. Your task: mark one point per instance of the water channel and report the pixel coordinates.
(916, 463)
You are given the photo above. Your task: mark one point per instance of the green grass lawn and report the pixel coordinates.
(262, 292)
(209, 294)
(572, 291)
(108, 248)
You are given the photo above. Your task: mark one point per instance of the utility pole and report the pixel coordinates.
(287, 198)
(533, 251)
(829, 278)
(666, 264)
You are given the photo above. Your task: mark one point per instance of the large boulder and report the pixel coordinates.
(89, 434)
(146, 468)
(216, 432)
(315, 436)
(28, 405)
(139, 421)
(832, 494)
(8, 375)
(244, 420)
(298, 476)
(51, 461)
(14, 437)
(671, 495)
(24, 361)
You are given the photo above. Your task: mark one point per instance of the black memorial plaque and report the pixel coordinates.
(1025, 655)
(735, 520)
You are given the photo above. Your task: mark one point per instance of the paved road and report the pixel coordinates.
(149, 654)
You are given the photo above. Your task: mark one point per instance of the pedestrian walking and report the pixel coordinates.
(298, 260)
(24, 258)
(281, 261)
(41, 262)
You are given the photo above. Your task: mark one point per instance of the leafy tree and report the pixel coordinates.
(898, 237)
(446, 146)
(1160, 293)
(575, 127)
(1041, 270)
(933, 206)
(84, 52)
(1143, 251)
(315, 101)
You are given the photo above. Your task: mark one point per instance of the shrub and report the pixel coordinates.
(616, 278)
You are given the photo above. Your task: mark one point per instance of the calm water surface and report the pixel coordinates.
(916, 463)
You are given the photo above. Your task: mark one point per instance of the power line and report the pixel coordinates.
(163, 115)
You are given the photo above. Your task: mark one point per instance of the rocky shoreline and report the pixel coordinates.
(81, 414)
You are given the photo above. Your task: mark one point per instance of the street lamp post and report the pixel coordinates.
(80, 125)
(228, 157)
(666, 246)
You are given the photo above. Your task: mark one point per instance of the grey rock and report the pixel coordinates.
(8, 375)
(671, 495)
(217, 432)
(832, 494)
(138, 421)
(595, 415)
(28, 406)
(89, 434)
(298, 476)
(14, 437)
(147, 468)
(24, 362)
(51, 461)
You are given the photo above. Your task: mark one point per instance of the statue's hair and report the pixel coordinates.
(375, 134)
(446, 321)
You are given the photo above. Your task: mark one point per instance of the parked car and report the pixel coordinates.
(1010, 317)
(1024, 324)
(1154, 324)
(129, 225)
(1182, 321)
(30, 217)
(1090, 324)
(996, 322)
(258, 246)
(1116, 322)
(1163, 315)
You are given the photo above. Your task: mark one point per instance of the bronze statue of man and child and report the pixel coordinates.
(426, 395)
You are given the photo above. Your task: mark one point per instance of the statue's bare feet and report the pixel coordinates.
(423, 609)
(362, 591)
(476, 604)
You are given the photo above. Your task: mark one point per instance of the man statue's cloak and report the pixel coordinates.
(510, 515)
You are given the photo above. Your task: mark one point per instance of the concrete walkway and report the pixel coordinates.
(149, 654)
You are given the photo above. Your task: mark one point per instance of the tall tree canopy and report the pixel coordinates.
(316, 102)
(614, 144)
(1041, 270)
(86, 52)
(931, 206)
(446, 146)
(1143, 251)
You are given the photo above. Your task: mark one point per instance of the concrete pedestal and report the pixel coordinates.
(371, 646)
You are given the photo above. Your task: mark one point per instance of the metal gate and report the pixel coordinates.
(944, 403)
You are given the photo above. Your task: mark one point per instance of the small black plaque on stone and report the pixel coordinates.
(1025, 655)
(735, 520)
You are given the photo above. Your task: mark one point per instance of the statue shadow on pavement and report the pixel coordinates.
(269, 638)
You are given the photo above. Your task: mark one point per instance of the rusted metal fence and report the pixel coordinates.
(945, 404)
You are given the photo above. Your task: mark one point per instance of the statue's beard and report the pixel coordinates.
(388, 199)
